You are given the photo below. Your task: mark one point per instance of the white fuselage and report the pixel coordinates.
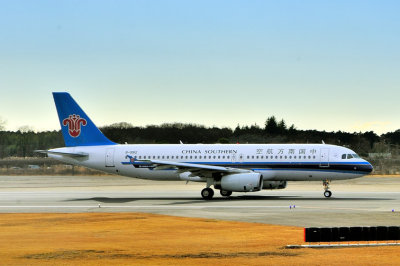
(289, 162)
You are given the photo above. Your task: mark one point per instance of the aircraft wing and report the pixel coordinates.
(195, 169)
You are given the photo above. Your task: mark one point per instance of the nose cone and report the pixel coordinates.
(368, 168)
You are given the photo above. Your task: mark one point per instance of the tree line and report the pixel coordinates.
(22, 143)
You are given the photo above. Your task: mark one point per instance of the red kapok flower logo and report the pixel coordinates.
(74, 122)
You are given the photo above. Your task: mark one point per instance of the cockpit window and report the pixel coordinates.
(350, 156)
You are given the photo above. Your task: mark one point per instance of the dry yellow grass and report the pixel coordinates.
(137, 238)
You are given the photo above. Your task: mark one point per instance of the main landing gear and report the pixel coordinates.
(225, 193)
(327, 192)
(207, 193)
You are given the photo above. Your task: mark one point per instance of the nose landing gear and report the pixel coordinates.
(327, 192)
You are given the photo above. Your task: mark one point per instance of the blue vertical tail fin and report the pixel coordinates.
(76, 126)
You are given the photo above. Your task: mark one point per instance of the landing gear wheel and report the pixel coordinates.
(207, 193)
(225, 193)
(327, 193)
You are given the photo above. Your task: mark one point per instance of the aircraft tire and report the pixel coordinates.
(207, 193)
(225, 193)
(327, 193)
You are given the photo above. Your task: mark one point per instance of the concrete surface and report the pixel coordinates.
(369, 201)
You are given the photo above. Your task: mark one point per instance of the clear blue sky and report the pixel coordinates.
(326, 65)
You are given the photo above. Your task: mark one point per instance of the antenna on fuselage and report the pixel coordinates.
(180, 142)
(323, 142)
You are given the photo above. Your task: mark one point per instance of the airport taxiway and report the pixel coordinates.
(368, 201)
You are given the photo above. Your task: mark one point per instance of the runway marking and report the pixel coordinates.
(288, 207)
(337, 208)
(180, 207)
(145, 207)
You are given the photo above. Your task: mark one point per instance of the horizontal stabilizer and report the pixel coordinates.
(67, 154)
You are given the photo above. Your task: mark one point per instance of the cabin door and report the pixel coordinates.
(110, 157)
(324, 157)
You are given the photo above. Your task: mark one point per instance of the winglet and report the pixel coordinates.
(76, 126)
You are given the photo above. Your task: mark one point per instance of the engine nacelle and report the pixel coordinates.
(274, 184)
(242, 182)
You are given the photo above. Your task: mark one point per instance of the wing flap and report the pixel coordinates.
(194, 168)
(190, 166)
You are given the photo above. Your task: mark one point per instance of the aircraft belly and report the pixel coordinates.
(287, 175)
(149, 174)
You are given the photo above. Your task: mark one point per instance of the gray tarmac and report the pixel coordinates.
(369, 201)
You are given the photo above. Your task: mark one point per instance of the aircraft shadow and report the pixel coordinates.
(187, 200)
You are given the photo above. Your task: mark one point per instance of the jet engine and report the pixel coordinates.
(274, 184)
(242, 182)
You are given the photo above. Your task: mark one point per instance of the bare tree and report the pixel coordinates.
(25, 129)
(25, 139)
(2, 124)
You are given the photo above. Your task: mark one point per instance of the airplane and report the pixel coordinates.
(226, 167)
